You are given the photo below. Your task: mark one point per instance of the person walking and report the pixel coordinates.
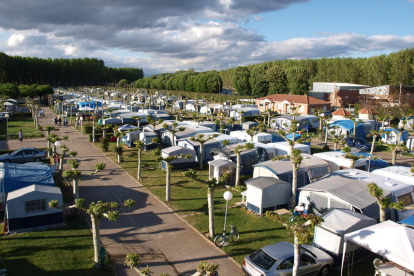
(55, 120)
(60, 121)
(20, 135)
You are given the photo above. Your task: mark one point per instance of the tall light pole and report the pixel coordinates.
(7, 126)
(227, 196)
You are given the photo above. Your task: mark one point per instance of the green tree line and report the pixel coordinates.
(8, 90)
(291, 76)
(62, 72)
(297, 76)
(183, 81)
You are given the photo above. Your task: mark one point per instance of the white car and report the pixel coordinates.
(277, 260)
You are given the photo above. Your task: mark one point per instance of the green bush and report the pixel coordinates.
(98, 137)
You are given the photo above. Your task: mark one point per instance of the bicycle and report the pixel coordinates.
(222, 238)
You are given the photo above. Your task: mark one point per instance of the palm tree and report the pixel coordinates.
(212, 185)
(167, 160)
(73, 175)
(238, 150)
(173, 129)
(201, 140)
(375, 134)
(349, 155)
(395, 148)
(140, 146)
(295, 154)
(382, 201)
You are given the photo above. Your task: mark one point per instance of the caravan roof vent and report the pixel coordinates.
(353, 173)
(390, 184)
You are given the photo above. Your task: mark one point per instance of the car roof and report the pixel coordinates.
(27, 148)
(279, 250)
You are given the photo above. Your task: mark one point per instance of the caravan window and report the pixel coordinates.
(319, 204)
(339, 205)
(406, 199)
(316, 173)
(35, 206)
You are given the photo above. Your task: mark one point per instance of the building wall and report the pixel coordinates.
(279, 107)
(343, 98)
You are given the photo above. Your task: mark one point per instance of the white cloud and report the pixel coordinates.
(15, 40)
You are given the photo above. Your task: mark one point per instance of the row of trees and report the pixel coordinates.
(296, 76)
(62, 72)
(184, 81)
(8, 90)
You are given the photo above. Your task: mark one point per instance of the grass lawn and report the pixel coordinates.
(65, 251)
(15, 124)
(189, 200)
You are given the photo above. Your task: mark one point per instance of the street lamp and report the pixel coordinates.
(7, 126)
(57, 145)
(227, 196)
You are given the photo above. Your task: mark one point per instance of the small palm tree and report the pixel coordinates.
(167, 160)
(202, 140)
(238, 150)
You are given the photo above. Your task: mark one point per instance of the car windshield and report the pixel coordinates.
(262, 259)
(309, 252)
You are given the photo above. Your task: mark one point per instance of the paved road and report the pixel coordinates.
(165, 242)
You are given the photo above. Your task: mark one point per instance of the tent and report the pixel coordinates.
(16, 176)
(27, 208)
(311, 169)
(346, 127)
(408, 221)
(392, 136)
(284, 121)
(130, 138)
(329, 235)
(267, 194)
(127, 127)
(340, 192)
(337, 160)
(261, 152)
(400, 173)
(400, 191)
(249, 125)
(283, 148)
(219, 167)
(390, 240)
(179, 163)
(147, 137)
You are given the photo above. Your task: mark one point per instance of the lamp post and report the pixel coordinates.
(227, 196)
(57, 145)
(7, 126)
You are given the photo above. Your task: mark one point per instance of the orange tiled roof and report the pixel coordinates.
(367, 111)
(341, 112)
(297, 99)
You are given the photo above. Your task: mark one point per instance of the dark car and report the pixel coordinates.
(23, 155)
(358, 143)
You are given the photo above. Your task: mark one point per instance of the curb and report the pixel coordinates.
(182, 219)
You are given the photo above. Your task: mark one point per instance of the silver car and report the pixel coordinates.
(23, 155)
(277, 260)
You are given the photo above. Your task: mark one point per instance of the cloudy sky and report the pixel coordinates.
(169, 35)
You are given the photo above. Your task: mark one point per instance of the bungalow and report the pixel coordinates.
(282, 103)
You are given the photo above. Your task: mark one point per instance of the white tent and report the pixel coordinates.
(329, 236)
(400, 173)
(283, 148)
(337, 160)
(27, 208)
(267, 194)
(180, 163)
(388, 239)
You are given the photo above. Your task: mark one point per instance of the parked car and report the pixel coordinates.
(277, 260)
(23, 155)
(358, 143)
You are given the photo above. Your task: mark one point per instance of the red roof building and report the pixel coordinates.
(281, 103)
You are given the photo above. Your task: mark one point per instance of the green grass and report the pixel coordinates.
(15, 124)
(66, 251)
(189, 200)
